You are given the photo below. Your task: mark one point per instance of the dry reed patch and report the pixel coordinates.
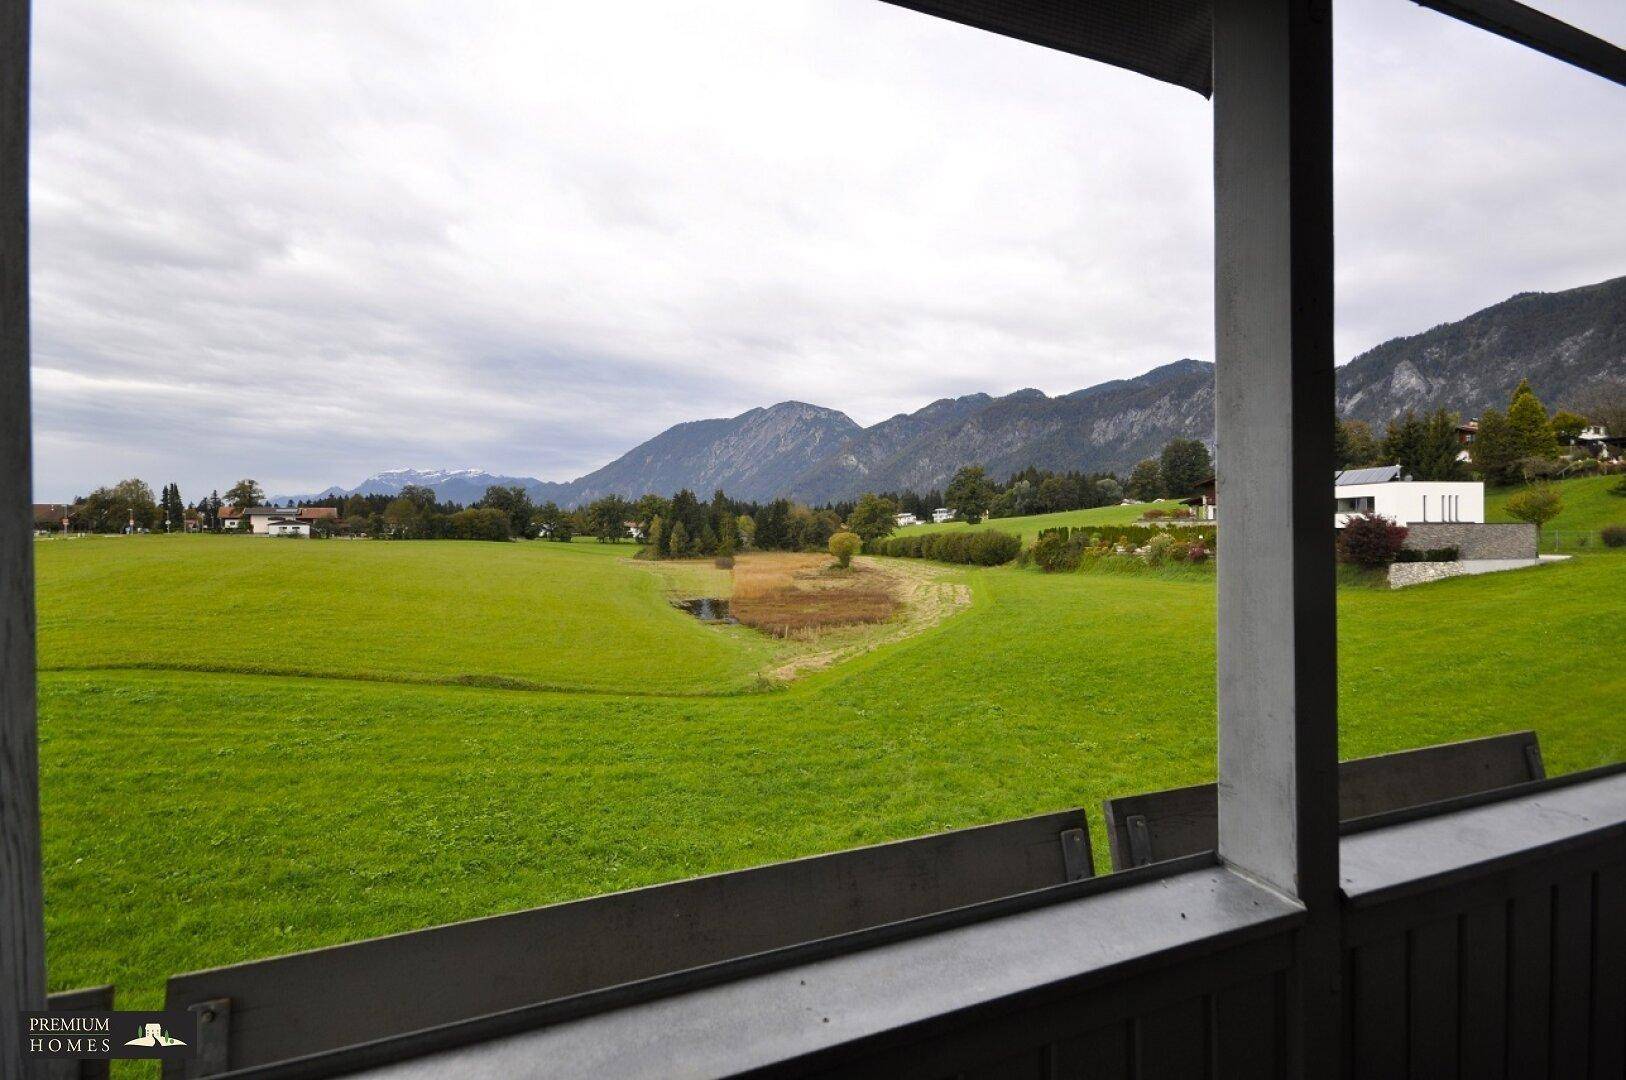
(786, 595)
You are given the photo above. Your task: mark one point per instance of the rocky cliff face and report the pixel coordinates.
(1105, 427)
(756, 455)
(1560, 341)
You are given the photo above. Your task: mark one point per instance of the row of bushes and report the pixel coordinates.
(1133, 535)
(1063, 550)
(1445, 554)
(986, 547)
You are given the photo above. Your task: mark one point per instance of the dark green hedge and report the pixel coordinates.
(986, 547)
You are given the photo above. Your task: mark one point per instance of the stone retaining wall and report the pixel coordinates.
(1402, 574)
(1473, 541)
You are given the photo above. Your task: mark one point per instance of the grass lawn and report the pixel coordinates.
(1029, 526)
(1588, 507)
(566, 616)
(195, 818)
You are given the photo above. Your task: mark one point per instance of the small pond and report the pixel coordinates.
(706, 609)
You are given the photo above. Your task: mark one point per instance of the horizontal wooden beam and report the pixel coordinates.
(1169, 40)
(1539, 31)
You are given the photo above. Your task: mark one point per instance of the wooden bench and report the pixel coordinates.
(1143, 829)
(290, 1006)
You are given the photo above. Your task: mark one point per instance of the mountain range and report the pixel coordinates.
(1562, 342)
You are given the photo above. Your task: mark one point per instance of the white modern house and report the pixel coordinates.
(288, 527)
(907, 519)
(1387, 491)
(942, 514)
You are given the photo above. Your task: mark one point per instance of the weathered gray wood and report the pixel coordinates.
(1379, 1009)
(312, 1001)
(22, 927)
(1484, 992)
(1529, 975)
(1166, 39)
(1572, 976)
(1246, 1027)
(902, 1010)
(1102, 1054)
(1423, 856)
(1609, 988)
(1183, 821)
(91, 998)
(1171, 1043)
(1540, 31)
(1273, 425)
(1432, 1014)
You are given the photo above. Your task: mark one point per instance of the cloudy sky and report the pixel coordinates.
(305, 241)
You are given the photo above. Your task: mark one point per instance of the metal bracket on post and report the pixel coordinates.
(1075, 855)
(1140, 840)
(214, 1039)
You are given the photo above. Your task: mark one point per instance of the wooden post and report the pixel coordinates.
(1274, 414)
(22, 926)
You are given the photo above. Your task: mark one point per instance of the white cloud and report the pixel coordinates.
(304, 241)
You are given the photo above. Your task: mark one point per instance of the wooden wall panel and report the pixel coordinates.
(1529, 986)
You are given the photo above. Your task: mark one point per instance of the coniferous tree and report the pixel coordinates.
(678, 545)
(1532, 431)
(656, 537)
(1495, 449)
(1146, 482)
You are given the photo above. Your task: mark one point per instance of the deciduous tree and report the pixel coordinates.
(1184, 464)
(245, 493)
(873, 517)
(969, 493)
(1538, 504)
(844, 545)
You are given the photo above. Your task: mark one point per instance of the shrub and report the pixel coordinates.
(1154, 514)
(991, 548)
(844, 545)
(724, 562)
(1614, 535)
(1198, 552)
(1618, 487)
(1370, 540)
(1537, 504)
(1158, 549)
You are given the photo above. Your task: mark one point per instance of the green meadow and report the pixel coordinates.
(253, 746)
(1588, 507)
(1028, 527)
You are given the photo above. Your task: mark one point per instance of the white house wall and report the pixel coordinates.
(1418, 501)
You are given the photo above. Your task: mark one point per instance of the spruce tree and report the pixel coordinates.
(1403, 442)
(1532, 431)
(655, 537)
(1495, 449)
(678, 545)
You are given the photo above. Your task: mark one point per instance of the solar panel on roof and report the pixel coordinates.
(1380, 474)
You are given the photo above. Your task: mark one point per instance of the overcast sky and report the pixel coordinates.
(306, 241)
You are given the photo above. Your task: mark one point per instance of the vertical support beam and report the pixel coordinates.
(22, 928)
(1278, 734)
